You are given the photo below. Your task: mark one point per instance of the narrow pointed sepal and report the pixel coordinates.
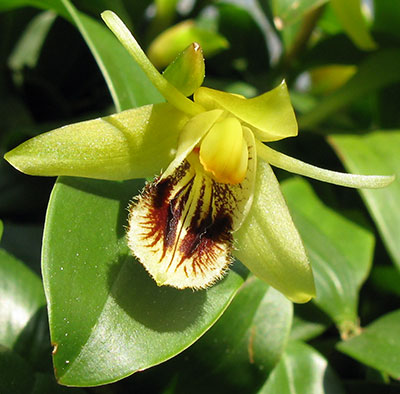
(268, 243)
(181, 227)
(270, 115)
(131, 144)
(291, 164)
(187, 71)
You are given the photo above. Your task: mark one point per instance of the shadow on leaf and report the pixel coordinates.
(162, 309)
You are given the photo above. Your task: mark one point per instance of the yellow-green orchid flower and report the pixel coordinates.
(217, 197)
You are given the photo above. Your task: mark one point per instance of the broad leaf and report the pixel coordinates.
(380, 69)
(108, 318)
(21, 296)
(302, 370)
(378, 345)
(339, 266)
(376, 152)
(247, 342)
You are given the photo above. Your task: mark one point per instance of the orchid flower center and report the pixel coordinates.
(224, 153)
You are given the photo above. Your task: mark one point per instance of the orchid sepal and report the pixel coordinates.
(296, 166)
(268, 243)
(270, 115)
(134, 143)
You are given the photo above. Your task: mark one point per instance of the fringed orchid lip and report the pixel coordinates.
(181, 226)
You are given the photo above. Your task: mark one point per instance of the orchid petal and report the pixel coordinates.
(270, 115)
(288, 163)
(195, 129)
(268, 242)
(187, 71)
(131, 144)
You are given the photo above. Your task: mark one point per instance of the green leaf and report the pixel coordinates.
(246, 342)
(380, 69)
(21, 295)
(302, 370)
(108, 319)
(339, 266)
(378, 345)
(131, 144)
(352, 20)
(376, 152)
(287, 11)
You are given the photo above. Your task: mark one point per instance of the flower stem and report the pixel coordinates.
(171, 94)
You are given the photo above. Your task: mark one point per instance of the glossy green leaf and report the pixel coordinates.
(269, 244)
(128, 85)
(378, 345)
(21, 296)
(246, 342)
(131, 144)
(187, 71)
(286, 12)
(164, 49)
(377, 152)
(302, 370)
(108, 318)
(350, 16)
(1, 229)
(380, 69)
(340, 252)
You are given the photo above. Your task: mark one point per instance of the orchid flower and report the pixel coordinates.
(217, 197)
